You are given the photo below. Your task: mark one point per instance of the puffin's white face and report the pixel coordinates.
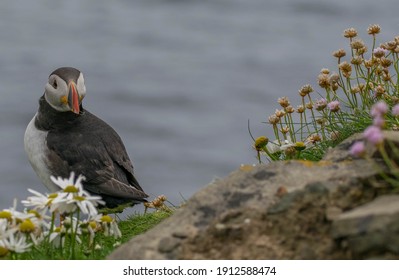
(63, 96)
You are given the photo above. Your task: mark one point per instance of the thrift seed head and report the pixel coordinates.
(323, 80)
(386, 76)
(309, 105)
(369, 63)
(314, 138)
(362, 51)
(321, 121)
(300, 109)
(357, 44)
(284, 102)
(355, 89)
(305, 90)
(395, 99)
(325, 71)
(290, 151)
(357, 60)
(273, 119)
(320, 104)
(391, 45)
(379, 52)
(339, 53)
(350, 33)
(373, 29)
(289, 109)
(385, 62)
(346, 69)
(279, 113)
(284, 130)
(379, 91)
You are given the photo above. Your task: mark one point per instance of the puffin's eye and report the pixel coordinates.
(55, 84)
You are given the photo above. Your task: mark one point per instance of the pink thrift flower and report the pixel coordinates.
(358, 149)
(379, 109)
(379, 121)
(320, 104)
(395, 110)
(373, 134)
(379, 52)
(333, 106)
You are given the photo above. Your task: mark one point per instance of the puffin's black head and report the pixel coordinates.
(65, 90)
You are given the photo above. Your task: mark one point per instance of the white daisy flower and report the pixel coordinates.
(5, 231)
(16, 243)
(73, 196)
(39, 201)
(70, 185)
(110, 226)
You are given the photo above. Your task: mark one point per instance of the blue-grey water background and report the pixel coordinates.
(177, 79)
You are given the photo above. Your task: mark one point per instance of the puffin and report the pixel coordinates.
(64, 137)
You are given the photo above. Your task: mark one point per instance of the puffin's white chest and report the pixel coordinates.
(36, 148)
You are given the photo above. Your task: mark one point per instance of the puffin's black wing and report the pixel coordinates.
(90, 147)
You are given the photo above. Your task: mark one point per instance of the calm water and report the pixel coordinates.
(178, 80)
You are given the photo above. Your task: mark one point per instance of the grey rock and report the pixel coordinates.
(332, 209)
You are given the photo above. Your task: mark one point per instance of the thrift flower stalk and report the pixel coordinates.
(361, 91)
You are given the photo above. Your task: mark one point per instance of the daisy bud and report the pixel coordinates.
(261, 142)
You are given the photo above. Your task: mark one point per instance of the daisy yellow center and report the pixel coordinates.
(5, 215)
(51, 198)
(57, 229)
(3, 251)
(299, 146)
(52, 195)
(26, 226)
(34, 212)
(106, 219)
(79, 198)
(71, 189)
(93, 224)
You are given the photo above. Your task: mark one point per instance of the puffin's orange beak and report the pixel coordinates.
(73, 98)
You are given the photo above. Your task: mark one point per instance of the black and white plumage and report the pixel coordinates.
(63, 137)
